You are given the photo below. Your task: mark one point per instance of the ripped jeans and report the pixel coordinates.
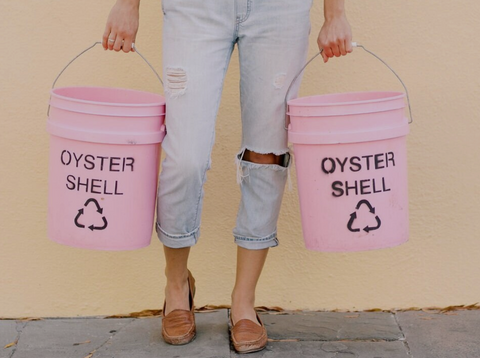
(198, 41)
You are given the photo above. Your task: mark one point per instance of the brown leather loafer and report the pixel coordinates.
(178, 327)
(247, 336)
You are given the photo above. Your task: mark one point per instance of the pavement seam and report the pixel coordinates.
(92, 353)
(19, 335)
(405, 342)
(371, 340)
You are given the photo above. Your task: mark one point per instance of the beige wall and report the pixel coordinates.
(433, 45)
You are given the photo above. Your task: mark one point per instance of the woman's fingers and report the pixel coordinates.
(105, 37)
(117, 46)
(122, 27)
(325, 57)
(117, 43)
(111, 40)
(335, 50)
(327, 51)
(342, 49)
(127, 45)
(348, 46)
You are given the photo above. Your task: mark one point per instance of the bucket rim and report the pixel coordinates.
(394, 95)
(295, 115)
(116, 104)
(103, 137)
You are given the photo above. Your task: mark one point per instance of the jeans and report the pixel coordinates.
(198, 40)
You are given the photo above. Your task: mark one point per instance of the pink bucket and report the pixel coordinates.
(351, 164)
(104, 161)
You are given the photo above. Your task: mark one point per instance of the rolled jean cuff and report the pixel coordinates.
(178, 241)
(250, 243)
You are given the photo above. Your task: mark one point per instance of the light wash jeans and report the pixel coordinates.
(198, 39)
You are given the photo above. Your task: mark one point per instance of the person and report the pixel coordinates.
(198, 41)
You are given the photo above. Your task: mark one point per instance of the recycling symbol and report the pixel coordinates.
(99, 210)
(353, 217)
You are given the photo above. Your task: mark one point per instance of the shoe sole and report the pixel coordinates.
(243, 351)
(249, 350)
(179, 343)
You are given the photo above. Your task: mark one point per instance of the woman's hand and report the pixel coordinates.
(122, 26)
(335, 37)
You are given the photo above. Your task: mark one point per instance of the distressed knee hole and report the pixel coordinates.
(176, 83)
(268, 158)
(272, 161)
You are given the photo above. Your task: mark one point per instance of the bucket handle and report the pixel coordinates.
(354, 44)
(89, 48)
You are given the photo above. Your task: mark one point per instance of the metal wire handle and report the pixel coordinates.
(89, 48)
(354, 44)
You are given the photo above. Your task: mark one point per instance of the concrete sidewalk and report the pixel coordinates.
(418, 334)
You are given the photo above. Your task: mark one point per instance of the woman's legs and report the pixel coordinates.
(249, 262)
(176, 290)
(249, 267)
(178, 317)
(273, 44)
(197, 46)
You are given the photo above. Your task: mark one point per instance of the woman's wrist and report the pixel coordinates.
(334, 9)
(134, 3)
